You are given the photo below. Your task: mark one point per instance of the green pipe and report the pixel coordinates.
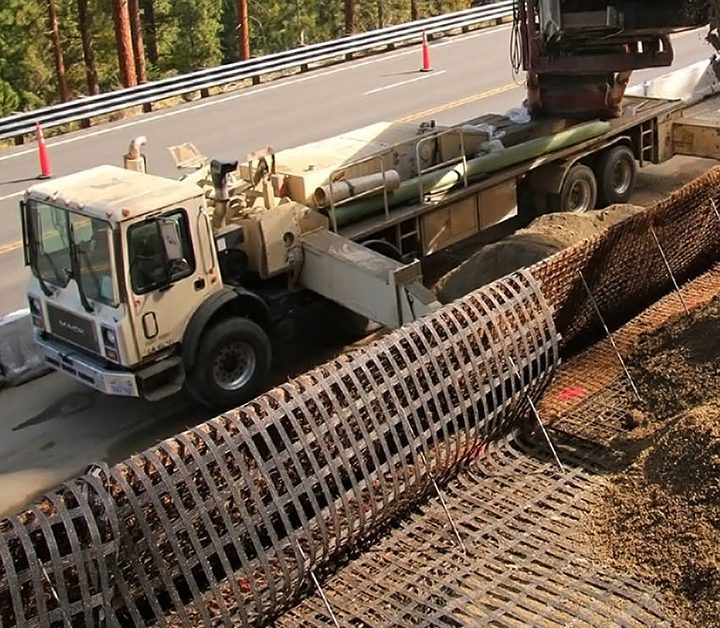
(447, 178)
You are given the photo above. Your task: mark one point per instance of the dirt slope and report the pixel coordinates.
(544, 236)
(660, 515)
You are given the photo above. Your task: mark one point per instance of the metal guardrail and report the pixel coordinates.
(148, 93)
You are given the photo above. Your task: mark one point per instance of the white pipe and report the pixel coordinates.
(347, 188)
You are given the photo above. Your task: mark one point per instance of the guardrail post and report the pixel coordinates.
(147, 107)
(204, 92)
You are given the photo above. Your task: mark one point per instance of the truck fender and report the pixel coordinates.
(236, 300)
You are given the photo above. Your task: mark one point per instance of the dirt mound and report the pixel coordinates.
(679, 367)
(660, 515)
(544, 236)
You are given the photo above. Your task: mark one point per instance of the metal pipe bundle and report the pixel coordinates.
(447, 178)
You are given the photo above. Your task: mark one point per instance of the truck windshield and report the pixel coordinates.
(65, 245)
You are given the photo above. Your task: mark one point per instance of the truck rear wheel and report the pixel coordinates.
(231, 364)
(579, 190)
(616, 171)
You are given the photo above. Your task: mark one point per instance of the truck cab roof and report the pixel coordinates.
(114, 194)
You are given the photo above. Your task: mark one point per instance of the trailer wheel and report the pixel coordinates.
(579, 190)
(231, 364)
(616, 171)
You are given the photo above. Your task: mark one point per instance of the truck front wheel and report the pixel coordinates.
(231, 364)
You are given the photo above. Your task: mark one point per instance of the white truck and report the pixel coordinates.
(143, 284)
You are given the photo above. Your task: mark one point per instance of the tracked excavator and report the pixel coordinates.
(579, 54)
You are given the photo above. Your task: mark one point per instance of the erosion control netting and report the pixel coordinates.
(225, 522)
(623, 266)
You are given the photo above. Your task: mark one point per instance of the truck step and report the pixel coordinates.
(162, 379)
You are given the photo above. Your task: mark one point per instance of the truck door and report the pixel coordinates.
(168, 275)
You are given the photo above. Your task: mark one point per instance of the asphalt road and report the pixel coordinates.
(51, 428)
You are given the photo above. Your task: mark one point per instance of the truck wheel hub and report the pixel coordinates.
(622, 176)
(580, 194)
(234, 365)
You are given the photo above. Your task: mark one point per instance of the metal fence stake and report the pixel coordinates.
(714, 208)
(669, 269)
(537, 418)
(316, 582)
(610, 337)
(444, 505)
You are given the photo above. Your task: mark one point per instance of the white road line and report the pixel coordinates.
(4, 198)
(251, 91)
(412, 80)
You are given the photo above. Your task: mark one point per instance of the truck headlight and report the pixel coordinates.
(110, 342)
(109, 337)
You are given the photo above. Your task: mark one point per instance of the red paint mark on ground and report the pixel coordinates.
(572, 392)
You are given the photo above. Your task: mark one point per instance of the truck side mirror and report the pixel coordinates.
(171, 239)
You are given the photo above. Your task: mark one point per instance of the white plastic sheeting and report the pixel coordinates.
(20, 360)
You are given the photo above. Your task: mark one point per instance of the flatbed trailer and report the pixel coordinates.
(525, 189)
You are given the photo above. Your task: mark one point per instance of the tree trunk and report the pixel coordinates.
(350, 17)
(137, 40)
(414, 15)
(150, 31)
(63, 91)
(126, 59)
(87, 45)
(243, 28)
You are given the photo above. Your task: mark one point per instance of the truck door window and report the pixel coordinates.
(52, 247)
(160, 252)
(92, 238)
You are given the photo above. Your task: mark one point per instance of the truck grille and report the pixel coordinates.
(76, 329)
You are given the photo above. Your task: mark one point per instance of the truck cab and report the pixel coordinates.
(120, 261)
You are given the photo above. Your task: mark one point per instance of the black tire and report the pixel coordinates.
(579, 190)
(231, 364)
(384, 248)
(616, 171)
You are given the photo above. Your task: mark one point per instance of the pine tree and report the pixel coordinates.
(137, 40)
(150, 31)
(84, 25)
(63, 90)
(243, 28)
(123, 39)
(350, 21)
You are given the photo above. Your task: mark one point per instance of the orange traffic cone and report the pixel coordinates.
(425, 55)
(42, 153)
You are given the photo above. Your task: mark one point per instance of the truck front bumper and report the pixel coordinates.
(86, 370)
